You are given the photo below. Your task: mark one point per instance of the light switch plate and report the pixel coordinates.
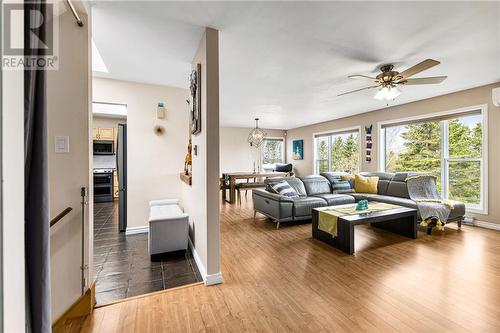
(61, 143)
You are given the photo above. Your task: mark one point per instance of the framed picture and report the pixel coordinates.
(298, 149)
(195, 89)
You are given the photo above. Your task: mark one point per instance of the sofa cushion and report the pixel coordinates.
(397, 189)
(283, 188)
(384, 179)
(304, 206)
(331, 176)
(294, 182)
(365, 184)
(316, 185)
(381, 175)
(457, 211)
(336, 199)
(279, 167)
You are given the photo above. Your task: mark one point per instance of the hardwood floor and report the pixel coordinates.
(283, 280)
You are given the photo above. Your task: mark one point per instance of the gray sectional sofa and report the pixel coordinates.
(316, 191)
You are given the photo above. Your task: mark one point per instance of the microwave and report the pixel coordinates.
(104, 147)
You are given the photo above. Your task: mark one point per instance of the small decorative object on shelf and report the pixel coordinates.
(362, 205)
(188, 161)
(369, 143)
(188, 179)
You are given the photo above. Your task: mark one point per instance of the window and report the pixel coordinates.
(449, 146)
(337, 151)
(272, 152)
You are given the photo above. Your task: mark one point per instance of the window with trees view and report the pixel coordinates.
(337, 152)
(450, 148)
(272, 152)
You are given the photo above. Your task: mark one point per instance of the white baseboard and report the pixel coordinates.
(214, 279)
(207, 279)
(197, 260)
(487, 225)
(136, 230)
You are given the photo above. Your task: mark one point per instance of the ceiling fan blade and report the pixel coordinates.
(426, 64)
(425, 80)
(360, 76)
(353, 91)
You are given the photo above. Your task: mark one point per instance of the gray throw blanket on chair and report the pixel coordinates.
(423, 190)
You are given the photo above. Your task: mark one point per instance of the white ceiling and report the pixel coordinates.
(285, 62)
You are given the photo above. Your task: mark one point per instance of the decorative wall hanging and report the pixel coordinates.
(256, 136)
(298, 149)
(195, 88)
(369, 143)
(159, 130)
(160, 110)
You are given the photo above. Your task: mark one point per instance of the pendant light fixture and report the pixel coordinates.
(256, 136)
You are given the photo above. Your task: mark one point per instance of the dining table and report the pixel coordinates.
(258, 177)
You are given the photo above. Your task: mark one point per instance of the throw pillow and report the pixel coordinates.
(283, 188)
(342, 186)
(365, 184)
(349, 178)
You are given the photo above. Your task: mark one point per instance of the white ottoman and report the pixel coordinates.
(168, 227)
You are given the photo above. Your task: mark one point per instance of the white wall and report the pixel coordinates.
(68, 97)
(201, 200)
(154, 162)
(235, 151)
(13, 201)
(104, 122)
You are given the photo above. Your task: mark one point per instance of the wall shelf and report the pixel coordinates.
(188, 179)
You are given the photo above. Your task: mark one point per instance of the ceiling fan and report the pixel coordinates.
(389, 79)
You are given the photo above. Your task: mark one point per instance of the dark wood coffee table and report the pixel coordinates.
(402, 221)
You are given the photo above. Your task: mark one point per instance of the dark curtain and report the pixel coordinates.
(37, 233)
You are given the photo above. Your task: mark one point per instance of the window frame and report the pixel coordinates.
(261, 152)
(353, 129)
(445, 158)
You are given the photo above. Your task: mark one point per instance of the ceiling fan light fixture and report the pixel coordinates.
(387, 93)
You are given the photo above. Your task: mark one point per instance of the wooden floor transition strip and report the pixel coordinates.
(147, 295)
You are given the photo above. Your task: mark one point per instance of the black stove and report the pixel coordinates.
(103, 185)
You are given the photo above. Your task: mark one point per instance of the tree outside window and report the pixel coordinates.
(337, 152)
(451, 148)
(272, 152)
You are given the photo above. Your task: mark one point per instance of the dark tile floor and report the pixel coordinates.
(122, 266)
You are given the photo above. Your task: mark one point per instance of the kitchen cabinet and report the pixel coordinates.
(106, 134)
(115, 135)
(103, 134)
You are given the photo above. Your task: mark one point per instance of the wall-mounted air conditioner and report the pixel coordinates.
(495, 94)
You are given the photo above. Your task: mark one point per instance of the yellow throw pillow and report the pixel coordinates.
(365, 184)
